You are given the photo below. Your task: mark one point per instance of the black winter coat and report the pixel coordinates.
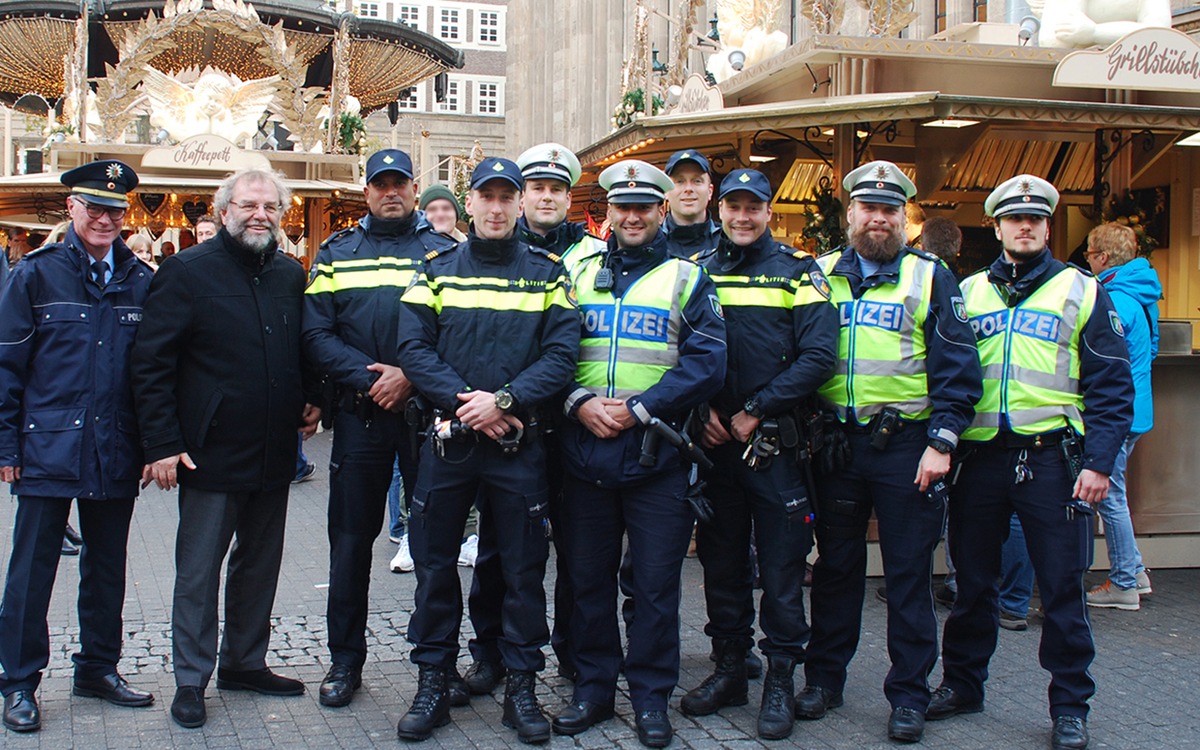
(217, 366)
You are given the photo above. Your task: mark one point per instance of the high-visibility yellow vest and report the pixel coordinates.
(628, 343)
(881, 344)
(1030, 354)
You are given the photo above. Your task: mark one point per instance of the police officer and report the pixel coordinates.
(783, 335)
(351, 309)
(689, 230)
(904, 390)
(550, 171)
(1057, 404)
(68, 316)
(653, 349)
(489, 333)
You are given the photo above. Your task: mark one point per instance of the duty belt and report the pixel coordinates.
(1007, 440)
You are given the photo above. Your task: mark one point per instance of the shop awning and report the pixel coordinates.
(653, 138)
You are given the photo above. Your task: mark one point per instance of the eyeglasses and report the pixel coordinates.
(252, 208)
(1090, 251)
(95, 212)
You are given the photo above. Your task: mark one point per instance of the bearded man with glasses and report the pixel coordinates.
(68, 316)
(217, 374)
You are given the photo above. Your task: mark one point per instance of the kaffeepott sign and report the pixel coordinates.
(1152, 59)
(210, 153)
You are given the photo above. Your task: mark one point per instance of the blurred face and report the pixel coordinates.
(442, 215)
(494, 208)
(391, 195)
(252, 217)
(1023, 236)
(876, 230)
(96, 226)
(635, 224)
(693, 190)
(744, 217)
(142, 251)
(546, 203)
(205, 231)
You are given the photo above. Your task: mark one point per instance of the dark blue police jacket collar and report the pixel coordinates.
(689, 233)
(562, 236)
(731, 254)
(373, 225)
(1019, 280)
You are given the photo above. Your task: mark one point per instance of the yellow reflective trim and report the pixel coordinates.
(420, 294)
(492, 299)
(375, 278)
(734, 296)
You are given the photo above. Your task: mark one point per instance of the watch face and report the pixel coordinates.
(504, 400)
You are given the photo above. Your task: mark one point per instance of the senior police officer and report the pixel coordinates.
(905, 388)
(550, 171)
(653, 349)
(690, 232)
(1057, 404)
(782, 333)
(351, 309)
(68, 316)
(489, 333)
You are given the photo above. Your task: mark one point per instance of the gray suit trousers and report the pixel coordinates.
(208, 522)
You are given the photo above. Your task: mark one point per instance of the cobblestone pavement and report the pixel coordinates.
(1148, 666)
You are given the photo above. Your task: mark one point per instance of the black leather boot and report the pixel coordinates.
(726, 686)
(778, 712)
(521, 709)
(430, 706)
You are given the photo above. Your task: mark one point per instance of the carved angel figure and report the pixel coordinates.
(210, 101)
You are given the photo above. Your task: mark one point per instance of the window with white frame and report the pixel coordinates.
(366, 10)
(487, 27)
(409, 100)
(449, 22)
(487, 98)
(454, 96)
(409, 15)
(443, 169)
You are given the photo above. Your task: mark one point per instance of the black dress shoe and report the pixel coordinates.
(1070, 733)
(945, 703)
(482, 677)
(906, 724)
(813, 701)
(654, 728)
(68, 548)
(337, 689)
(579, 716)
(114, 689)
(21, 712)
(259, 680)
(188, 707)
(73, 535)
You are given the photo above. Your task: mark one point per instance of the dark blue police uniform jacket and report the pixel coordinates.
(66, 403)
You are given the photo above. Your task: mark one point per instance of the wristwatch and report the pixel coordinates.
(752, 407)
(504, 400)
(941, 446)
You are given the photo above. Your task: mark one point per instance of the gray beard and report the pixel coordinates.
(873, 250)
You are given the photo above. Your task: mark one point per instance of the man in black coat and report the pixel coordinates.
(217, 376)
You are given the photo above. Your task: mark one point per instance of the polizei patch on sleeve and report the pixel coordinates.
(960, 308)
(1115, 320)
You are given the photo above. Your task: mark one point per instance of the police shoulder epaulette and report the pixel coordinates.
(553, 256)
(339, 234)
(45, 248)
(831, 252)
(923, 254)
